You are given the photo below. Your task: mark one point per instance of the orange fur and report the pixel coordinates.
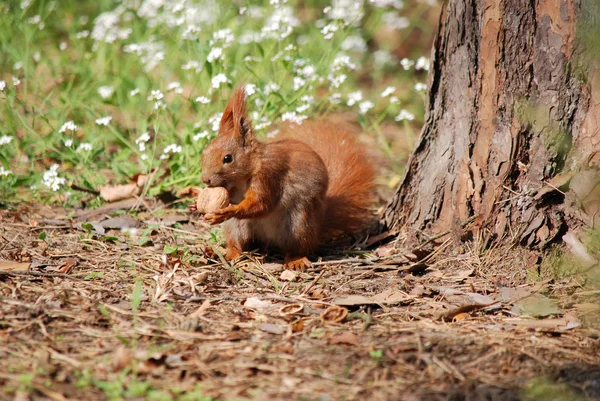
(293, 194)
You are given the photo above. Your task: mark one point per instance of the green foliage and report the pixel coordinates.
(95, 92)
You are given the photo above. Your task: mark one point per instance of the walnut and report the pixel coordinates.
(210, 200)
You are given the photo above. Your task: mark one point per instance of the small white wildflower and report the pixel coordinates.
(144, 157)
(270, 88)
(354, 98)
(261, 123)
(342, 61)
(298, 83)
(202, 99)
(329, 30)
(104, 121)
(405, 115)
(310, 99)
(365, 106)
(335, 98)
(15, 81)
(308, 71)
(173, 148)
(381, 58)
(134, 92)
(406, 63)
(36, 57)
(250, 89)
(216, 53)
(336, 80)
(272, 134)
(18, 65)
(422, 64)
(388, 91)
(68, 143)
(293, 117)
(69, 125)
(354, 43)
(84, 147)
(155, 95)
(175, 87)
(159, 105)
(219, 79)
(5, 139)
(82, 34)
(215, 121)
(2, 85)
(141, 141)
(302, 108)
(201, 135)
(3, 172)
(105, 91)
(394, 99)
(25, 4)
(392, 20)
(52, 180)
(62, 46)
(192, 65)
(36, 19)
(420, 86)
(398, 4)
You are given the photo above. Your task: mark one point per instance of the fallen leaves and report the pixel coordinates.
(347, 337)
(112, 193)
(6, 265)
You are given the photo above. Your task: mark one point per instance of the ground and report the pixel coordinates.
(91, 310)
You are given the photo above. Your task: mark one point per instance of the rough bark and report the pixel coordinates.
(512, 123)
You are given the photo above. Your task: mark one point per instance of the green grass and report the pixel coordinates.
(82, 61)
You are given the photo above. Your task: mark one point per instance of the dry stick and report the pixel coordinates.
(86, 190)
(40, 274)
(313, 282)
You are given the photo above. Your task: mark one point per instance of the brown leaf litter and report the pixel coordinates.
(451, 323)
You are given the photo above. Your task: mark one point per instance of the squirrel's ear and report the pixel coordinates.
(235, 117)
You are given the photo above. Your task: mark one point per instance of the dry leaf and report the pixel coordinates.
(120, 222)
(67, 265)
(111, 193)
(271, 328)
(346, 337)
(121, 358)
(288, 275)
(6, 265)
(334, 314)
(297, 326)
(256, 303)
(291, 310)
(387, 297)
(200, 311)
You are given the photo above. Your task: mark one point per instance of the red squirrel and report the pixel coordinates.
(291, 194)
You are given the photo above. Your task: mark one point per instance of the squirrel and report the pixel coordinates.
(294, 194)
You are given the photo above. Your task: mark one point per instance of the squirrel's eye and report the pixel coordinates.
(227, 159)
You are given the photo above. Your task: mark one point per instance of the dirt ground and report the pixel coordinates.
(91, 309)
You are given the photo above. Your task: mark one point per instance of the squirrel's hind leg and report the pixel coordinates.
(297, 262)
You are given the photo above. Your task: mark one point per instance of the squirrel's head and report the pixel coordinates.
(227, 159)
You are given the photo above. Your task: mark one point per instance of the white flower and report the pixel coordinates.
(406, 63)
(354, 98)
(219, 79)
(104, 121)
(398, 4)
(201, 135)
(173, 148)
(18, 65)
(25, 4)
(420, 86)
(175, 87)
(62, 46)
(84, 147)
(144, 157)
(216, 53)
(394, 99)
(335, 98)
(69, 125)
(392, 20)
(388, 91)
(224, 36)
(2, 85)
(298, 83)
(405, 115)
(354, 43)
(382, 57)
(68, 143)
(422, 64)
(155, 95)
(192, 64)
(4, 172)
(82, 34)
(310, 99)
(105, 91)
(302, 108)
(250, 89)
(336, 80)
(141, 141)
(15, 81)
(134, 92)
(329, 30)
(34, 20)
(36, 57)
(365, 106)
(215, 121)
(5, 139)
(202, 99)
(270, 88)
(293, 117)
(52, 180)
(280, 24)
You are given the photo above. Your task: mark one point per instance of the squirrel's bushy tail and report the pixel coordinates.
(350, 194)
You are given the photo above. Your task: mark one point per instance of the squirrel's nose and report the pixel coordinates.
(206, 179)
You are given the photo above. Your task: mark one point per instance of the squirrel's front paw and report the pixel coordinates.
(220, 215)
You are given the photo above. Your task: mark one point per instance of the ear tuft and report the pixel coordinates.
(236, 108)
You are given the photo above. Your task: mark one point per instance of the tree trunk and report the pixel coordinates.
(512, 126)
